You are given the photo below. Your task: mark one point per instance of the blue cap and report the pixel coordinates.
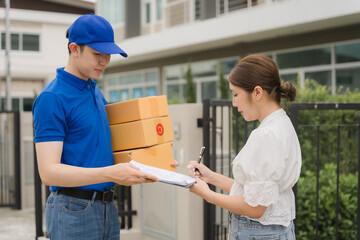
(96, 32)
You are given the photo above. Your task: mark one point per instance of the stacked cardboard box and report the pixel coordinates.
(141, 131)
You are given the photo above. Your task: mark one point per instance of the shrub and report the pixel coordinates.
(190, 86)
(306, 207)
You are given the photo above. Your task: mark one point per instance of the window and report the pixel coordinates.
(113, 11)
(348, 78)
(227, 65)
(205, 76)
(27, 104)
(158, 10)
(225, 6)
(322, 77)
(125, 86)
(147, 13)
(336, 65)
(204, 69)
(347, 53)
(22, 42)
(19, 104)
(30, 42)
(124, 95)
(15, 43)
(208, 90)
(313, 57)
(152, 11)
(197, 8)
(151, 91)
(289, 77)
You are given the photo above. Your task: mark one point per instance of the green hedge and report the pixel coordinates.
(328, 132)
(306, 212)
(329, 121)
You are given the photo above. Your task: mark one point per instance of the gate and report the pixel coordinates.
(10, 190)
(225, 132)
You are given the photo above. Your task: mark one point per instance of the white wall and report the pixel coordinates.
(166, 211)
(53, 44)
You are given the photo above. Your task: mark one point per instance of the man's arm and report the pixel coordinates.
(54, 173)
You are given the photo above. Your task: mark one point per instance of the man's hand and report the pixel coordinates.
(126, 174)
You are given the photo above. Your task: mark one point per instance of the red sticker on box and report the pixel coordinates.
(160, 129)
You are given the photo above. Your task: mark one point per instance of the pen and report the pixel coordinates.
(201, 155)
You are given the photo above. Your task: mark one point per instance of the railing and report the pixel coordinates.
(10, 188)
(225, 132)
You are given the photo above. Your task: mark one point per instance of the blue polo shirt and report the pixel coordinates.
(72, 110)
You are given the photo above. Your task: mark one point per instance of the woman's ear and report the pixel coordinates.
(258, 93)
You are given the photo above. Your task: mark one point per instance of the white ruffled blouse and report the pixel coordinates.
(267, 167)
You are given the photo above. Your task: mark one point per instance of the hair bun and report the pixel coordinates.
(287, 91)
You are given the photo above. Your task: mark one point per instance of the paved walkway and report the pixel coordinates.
(17, 224)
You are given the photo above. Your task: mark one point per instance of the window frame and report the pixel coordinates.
(332, 66)
(143, 84)
(21, 41)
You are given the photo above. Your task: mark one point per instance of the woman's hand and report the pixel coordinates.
(202, 171)
(201, 188)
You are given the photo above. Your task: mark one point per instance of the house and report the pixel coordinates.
(318, 40)
(38, 47)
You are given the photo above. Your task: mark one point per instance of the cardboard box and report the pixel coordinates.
(159, 156)
(142, 133)
(136, 109)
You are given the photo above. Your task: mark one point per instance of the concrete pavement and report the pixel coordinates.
(17, 224)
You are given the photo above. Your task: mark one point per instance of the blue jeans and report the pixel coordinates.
(242, 228)
(74, 218)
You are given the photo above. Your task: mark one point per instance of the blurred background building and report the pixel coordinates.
(308, 39)
(38, 47)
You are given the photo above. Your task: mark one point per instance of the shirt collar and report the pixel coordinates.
(273, 115)
(73, 80)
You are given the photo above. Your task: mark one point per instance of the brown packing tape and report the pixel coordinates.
(160, 156)
(137, 109)
(152, 151)
(142, 133)
(154, 106)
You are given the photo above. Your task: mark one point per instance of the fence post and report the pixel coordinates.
(209, 212)
(38, 199)
(17, 160)
(358, 197)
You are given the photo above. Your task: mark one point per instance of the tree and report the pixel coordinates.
(190, 86)
(223, 85)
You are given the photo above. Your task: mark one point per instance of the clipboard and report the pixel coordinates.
(166, 176)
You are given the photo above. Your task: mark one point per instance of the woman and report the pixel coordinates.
(261, 201)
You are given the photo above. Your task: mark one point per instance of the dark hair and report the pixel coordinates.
(81, 45)
(259, 70)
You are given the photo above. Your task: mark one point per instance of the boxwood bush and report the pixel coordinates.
(327, 125)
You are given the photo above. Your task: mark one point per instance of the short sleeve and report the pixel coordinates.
(261, 166)
(49, 119)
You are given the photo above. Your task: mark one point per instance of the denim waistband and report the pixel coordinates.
(249, 223)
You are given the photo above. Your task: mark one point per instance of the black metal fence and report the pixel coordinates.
(225, 132)
(10, 187)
